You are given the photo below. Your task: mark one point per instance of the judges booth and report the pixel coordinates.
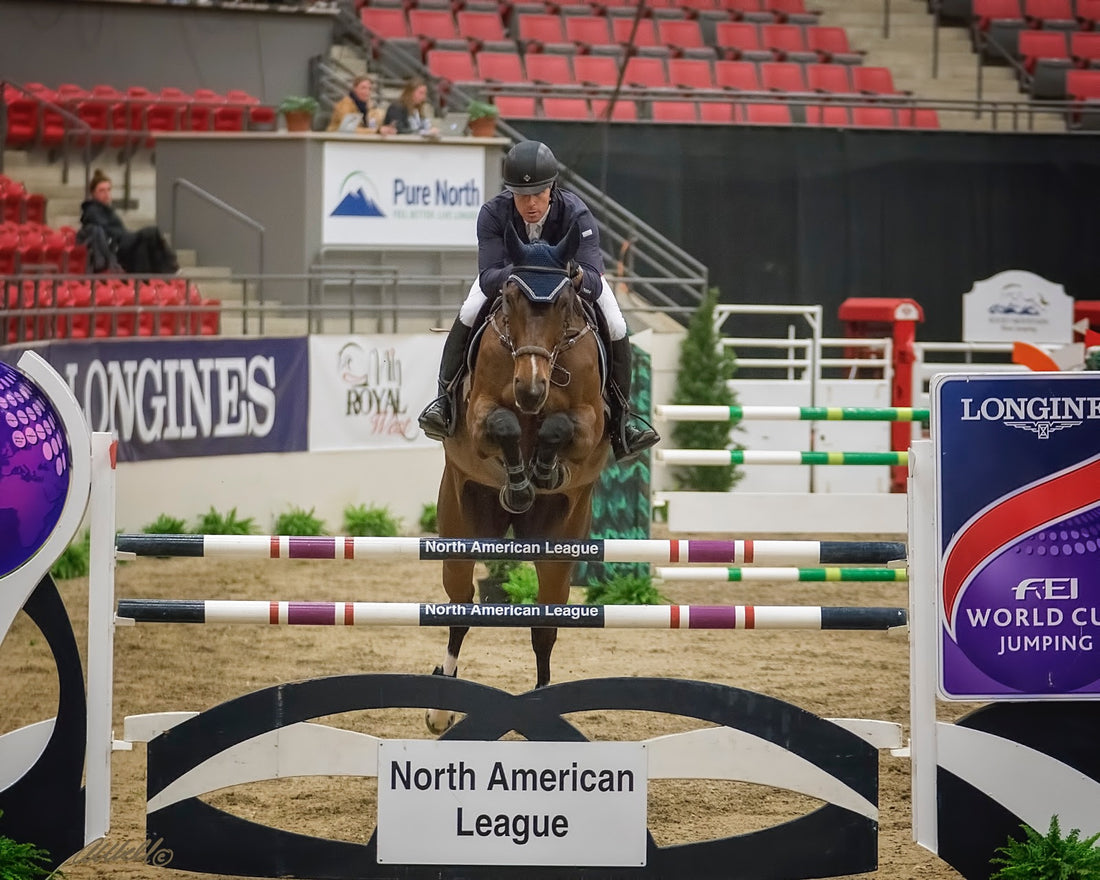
(398, 213)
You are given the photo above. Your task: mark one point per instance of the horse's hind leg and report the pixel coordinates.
(555, 433)
(440, 720)
(554, 579)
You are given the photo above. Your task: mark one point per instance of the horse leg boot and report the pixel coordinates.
(542, 640)
(437, 420)
(555, 433)
(627, 438)
(502, 428)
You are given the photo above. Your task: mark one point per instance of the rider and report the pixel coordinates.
(538, 209)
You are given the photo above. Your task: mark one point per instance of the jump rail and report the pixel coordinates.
(813, 617)
(782, 575)
(708, 413)
(738, 552)
(721, 457)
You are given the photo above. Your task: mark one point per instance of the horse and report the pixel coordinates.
(530, 442)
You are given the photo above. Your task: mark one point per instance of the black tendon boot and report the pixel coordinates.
(628, 439)
(438, 419)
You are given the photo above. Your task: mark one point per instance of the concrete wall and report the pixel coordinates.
(124, 44)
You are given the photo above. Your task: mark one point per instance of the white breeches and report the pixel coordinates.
(607, 304)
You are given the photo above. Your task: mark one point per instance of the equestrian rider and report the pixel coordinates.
(537, 209)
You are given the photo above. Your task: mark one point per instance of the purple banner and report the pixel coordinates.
(181, 398)
(1019, 535)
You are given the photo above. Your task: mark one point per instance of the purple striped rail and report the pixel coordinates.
(737, 552)
(454, 614)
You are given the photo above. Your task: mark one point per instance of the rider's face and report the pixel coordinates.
(532, 207)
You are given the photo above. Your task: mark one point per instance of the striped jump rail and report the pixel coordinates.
(721, 457)
(779, 617)
(736, 552)
(710, 413)
(781, 575)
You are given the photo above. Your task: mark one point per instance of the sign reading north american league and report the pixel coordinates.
(512, 803)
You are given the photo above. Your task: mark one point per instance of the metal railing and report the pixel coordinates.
(234, 214)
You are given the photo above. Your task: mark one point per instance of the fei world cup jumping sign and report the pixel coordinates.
(1018, 535)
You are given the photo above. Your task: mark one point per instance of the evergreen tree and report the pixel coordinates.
(705, 366)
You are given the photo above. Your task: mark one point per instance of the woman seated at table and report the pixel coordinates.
(411, 113)
(356, 112)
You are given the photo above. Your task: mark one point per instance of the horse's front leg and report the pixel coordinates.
(554, 577)
(555, 433)
(503, 429)
(458, 581)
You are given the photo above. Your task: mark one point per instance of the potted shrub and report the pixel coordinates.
(298, 111)
(482, 118)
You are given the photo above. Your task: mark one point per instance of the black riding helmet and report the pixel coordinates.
(529, 168)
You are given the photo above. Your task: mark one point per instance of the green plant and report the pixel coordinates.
(481, 110)
(501, 569)
(704, 367)
(299, 521)
(1048, 857)
(360, 520)
(625, 590)
(522, 585)
(214, 523)
(429, 519)
(23, 861)
(165, 525)
(72, 563)
(298, 104)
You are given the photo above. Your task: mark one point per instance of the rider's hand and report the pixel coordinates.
(576, 275)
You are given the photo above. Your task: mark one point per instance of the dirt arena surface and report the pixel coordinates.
(166, 667)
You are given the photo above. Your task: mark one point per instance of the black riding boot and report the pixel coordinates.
(627, 438)
(438, 419)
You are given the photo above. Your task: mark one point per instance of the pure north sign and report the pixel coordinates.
(511, 803)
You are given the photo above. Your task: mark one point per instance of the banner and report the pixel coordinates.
(395, 194)
(1018, 503)
(180, 398)
(367, 391)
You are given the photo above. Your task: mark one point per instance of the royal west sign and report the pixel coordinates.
(1018, 503)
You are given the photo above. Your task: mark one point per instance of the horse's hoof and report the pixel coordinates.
(517, 502)
(442, 722)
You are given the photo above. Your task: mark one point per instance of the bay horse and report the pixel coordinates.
(529, 443)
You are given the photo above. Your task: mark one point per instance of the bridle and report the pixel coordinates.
(570, 335)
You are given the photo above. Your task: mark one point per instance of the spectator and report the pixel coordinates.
(411, 112)
(144, 252)
(356, 112)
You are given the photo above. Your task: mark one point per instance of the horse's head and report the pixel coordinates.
(538, 306)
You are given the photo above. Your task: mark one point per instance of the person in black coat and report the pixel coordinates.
(144, 252)
(537, 208)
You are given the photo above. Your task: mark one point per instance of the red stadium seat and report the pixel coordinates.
(749, 10)
(505, 67)
(1088, 13)
(831, 45)
(641, 40)
(717, 112)
(685, 38)
(691, 73)
(874, 117)
(566, 108)
(552, 69)
(436, 29)
(874, 81)
(598, 70)
(830, 115)
(1050, 14)
(23, 115)
(791, 11)
(830, 78)
(1085, 48)
(590, 33)
(451, 66)
(997, 23)
(649, 73)
(483, 30)
(783, 76)
(787, 42)
(767, 114)
(515, 106)
(740, 40)
(542, 33)
(741, 76)
(1045, 58)
(623, 110)
(918, 117)
(674, 111)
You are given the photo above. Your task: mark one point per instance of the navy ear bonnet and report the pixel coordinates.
(539, 269)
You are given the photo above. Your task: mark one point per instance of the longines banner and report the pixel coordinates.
(1018, 499)
(366, 391)
(178, 399)
(390, 194)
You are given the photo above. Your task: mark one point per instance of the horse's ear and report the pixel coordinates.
(565, 249)
(512, 244)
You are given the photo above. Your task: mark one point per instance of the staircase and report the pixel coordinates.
(908, 52)
(38, 174)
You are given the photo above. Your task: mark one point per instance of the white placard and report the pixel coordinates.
(415, 195)
(365, 392)
(511, 803)
(1017, 306)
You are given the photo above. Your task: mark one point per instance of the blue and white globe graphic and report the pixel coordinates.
(34, 469)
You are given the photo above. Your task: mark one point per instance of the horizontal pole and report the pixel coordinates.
(708, 413)
(721, 457)
(737, 552)
(456, 614)
(783, 575)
